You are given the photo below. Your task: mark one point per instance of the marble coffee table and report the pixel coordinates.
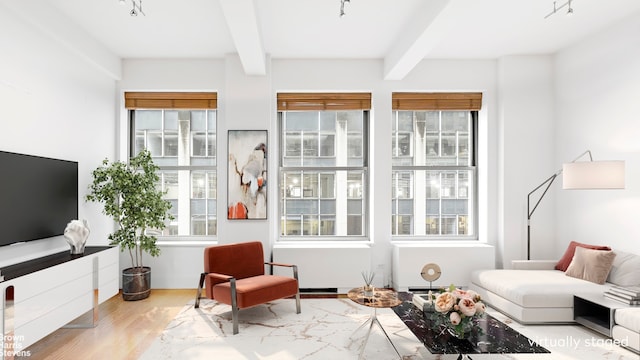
(495, 337)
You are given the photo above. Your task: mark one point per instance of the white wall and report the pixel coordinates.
(525, 86)
(598, 89)
(57, 105)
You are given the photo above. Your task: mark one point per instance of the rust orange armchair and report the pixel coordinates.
(234, 274)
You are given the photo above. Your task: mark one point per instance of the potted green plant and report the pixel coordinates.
(130, 196)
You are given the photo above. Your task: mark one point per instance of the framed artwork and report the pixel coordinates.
(247, 183)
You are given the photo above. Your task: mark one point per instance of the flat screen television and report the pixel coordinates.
(38, 197)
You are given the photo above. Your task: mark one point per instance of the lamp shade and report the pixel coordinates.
(593, 175)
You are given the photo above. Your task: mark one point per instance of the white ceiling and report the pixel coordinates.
(394, 30)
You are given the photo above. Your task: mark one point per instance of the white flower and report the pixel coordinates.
(473, 295)
(455, 318)
(480, 308)
(444, 302)
(467, 307)
(459, 293)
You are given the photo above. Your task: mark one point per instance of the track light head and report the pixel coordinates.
(136, 7)
(342, 13)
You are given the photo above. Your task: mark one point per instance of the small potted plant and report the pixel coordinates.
(130, 196)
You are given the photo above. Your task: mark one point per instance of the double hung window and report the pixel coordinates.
(179, 129)
(323, 165)
(434, 170)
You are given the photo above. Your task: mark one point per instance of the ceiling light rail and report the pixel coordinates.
(558, 8)
(136, 7)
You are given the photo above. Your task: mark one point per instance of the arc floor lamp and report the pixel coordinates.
(583, 175)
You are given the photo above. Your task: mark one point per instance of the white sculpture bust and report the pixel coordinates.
(76, 233)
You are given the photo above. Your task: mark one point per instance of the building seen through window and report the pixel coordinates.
(323, 173)
(433, 173)
(183, 144)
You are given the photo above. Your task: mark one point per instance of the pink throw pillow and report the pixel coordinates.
(565, 260)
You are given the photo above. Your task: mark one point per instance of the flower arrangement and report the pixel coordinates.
(457, 310)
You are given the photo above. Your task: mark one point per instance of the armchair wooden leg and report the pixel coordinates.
(200, 285)
(298, 302)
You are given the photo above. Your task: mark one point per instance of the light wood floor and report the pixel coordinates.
(125, 330)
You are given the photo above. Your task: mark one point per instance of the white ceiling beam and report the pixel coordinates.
(242, 22)
(55, 25)
(420, 35)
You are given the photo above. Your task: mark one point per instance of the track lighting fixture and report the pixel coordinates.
(342, 13)
(557, 8)
(136, 7)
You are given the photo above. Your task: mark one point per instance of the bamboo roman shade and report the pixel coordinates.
(170, 100)
(436, 101)
(324, 101)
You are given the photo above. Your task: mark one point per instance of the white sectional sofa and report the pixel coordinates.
(533, 292)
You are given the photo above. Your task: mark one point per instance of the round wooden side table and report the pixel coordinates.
(381, 298)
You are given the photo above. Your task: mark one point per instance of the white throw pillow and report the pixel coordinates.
(625, 270)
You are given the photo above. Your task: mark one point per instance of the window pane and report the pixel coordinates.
(211, 120)
(139, 142)
(171, 144)
(401, 225)
(328, 120)
(433, 225)
(354, 185)
(354, 146)
(211, 145)
(310, 145)
(171, 120)
(198, 207)
(327, 145)
(154, 143)
(354, 120)
(405, 121)
(449, 226)
(301, 121)
(212, 184)
(327, 186)
(198, 189)
(198, 225)
(310, 185)
(402, 185)
(292, 185)
(198, 120)
(148, 119)
(309, 225)
(293, 144)
(354, 207)
(354, 225)
(199, 141)
(405, 207)
(328, 207)
(327, 226)
(170, 184)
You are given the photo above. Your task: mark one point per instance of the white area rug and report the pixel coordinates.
(328, 329)
(322, 330)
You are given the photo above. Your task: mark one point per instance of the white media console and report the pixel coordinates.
(42, 295)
